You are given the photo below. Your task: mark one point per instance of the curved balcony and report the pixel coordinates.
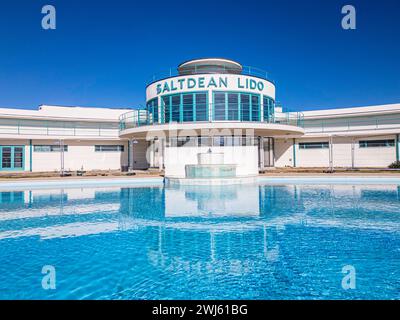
(139, 118)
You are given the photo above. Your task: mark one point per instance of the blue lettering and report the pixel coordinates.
(191, 83)
(212, 83)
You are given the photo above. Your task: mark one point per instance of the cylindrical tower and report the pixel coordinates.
(211, 89)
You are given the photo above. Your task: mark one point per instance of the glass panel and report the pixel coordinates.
(48, 148)
(109, 148)
(152, 108)
(6, 158)
(219, 106)
(376, 143)
(268, 108)
(167, 108)
(201, 107)
(245, 107)
(18, 157)
(187, 101)
(255, 108)
(175, 108)
(314, 145)
(233, 106)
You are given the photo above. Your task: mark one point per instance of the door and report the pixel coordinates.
(139, 154)
(268, 150)
(11, 158)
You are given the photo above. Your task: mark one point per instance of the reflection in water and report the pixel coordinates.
(243, 241)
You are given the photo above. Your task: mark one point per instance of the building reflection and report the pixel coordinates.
(202, 230)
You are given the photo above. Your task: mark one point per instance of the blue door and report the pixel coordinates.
(12, 158)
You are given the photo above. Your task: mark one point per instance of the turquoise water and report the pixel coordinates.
(281, 241)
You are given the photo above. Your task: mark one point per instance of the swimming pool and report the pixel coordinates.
(278, 240)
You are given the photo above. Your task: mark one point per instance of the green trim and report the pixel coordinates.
(30, 155)
(12, 158)
(180, 95)
(239, 93)
(294, 154)
(398, 147)
(129, 154)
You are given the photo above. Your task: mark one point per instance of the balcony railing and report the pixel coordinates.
(346, 125)
(142, 117)
(246, 70)
(57, 128)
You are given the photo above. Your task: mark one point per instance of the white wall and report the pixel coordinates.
(283, 153)
(342, 153)
(311, 157)
(374, 157)
(245, 157)
(80, 154)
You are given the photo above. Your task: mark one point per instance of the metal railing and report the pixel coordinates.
(326, 126)
(142, 117)
(56, 128)
(246, 70)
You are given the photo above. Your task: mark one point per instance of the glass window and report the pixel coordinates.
(377, 143)
(152, 108)
(219, 106)
(167, 108)
(255, 108)
(201, 107)
(268, 108)
(314, 145)
(233, 106)
(18, 157)
(49, 148)
(175, 108)
(109, 148)
(245, 107)
(187, 100)
(6, 158)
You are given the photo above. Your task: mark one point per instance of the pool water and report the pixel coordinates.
(261, 241)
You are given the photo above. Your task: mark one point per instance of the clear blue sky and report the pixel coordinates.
(102, 52)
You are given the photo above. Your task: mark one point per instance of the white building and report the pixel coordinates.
(212, 105)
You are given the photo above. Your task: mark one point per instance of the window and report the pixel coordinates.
(219, 106)
(152, 108)
(268, 108)
(314, 145)
(109, 148)
(201, 107)
(175, 108)
(187, 107)
(49, 148)
(12, 158)
(255, 108)
(167, 108)
(233, 106)
(376, 143)
(245, 107)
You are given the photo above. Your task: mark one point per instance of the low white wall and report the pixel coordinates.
(379, 157)
(245, 157)
(80, 154)
(374, 157)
